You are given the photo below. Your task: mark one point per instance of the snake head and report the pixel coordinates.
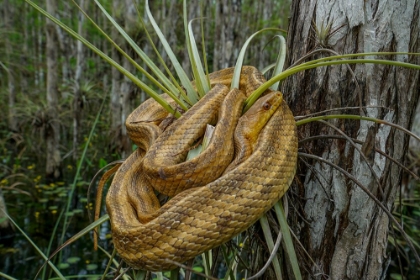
(258, 115)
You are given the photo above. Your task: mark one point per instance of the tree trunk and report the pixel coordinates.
(53, 128)
(227, 17)
(65, 44)
(115, 103)
(343, 230)
(127, 87)
(8, 16)
(80, 66)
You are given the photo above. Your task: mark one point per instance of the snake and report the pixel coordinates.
(248, 166)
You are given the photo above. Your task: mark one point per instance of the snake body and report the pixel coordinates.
(203, 213)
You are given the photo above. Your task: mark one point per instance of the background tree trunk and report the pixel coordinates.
(80, 66)
(53, 128)
(8, 18)
(128, 89)
(227, 18)
(339, 225)
(115, 103)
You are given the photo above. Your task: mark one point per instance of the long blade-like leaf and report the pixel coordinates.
(280, 61)
(199, 76)
(239, 62)
(126, 73)
(169, 88)
(254, 96)
(270, 243)
(284, 227)
(203, 44)
(185, 81)
(36, 248)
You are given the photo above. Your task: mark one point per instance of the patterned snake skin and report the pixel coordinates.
(209, 205)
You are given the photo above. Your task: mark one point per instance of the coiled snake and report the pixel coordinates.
(247, 167)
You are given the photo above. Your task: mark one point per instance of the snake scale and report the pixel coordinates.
(216, 195)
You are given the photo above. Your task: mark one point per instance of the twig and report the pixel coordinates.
(190, 269)
(415, 176)
(391, 217)
(270, 259)
(381, 191)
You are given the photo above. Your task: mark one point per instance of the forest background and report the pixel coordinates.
(53, 89)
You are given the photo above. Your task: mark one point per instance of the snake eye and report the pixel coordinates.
(266, 106)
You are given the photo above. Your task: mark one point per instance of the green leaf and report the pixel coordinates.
(197, 68)
(185, 81)
(69, 214)
(7, 277)
(106, 58)
(73, 260)
(77, 211)
(328, 61)
(284, 227)
(91, 266)
(270, 243)
(173, 91)
(280, 61)
(239, 62)
(198, 269)
(102, 163)
(396, 276)
(63, 265)
(37, 249)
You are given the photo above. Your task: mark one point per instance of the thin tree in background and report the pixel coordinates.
(116, 76)
(227, 22)
(127, 87)
(11, 86)
(343, 230)
(80, 66)
(53, 156)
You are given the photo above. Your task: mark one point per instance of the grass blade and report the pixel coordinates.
(5, 276)
(53, 267)
(239, 62)
(198, 70)
(185, 81)
(81, 233)
(203, 44)
(79, 167)
(269, 240)
(290, 250)
(278, 68)
(257, 93)
(106, 58)
(169, 88)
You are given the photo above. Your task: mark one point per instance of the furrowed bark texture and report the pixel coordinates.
(340, 226)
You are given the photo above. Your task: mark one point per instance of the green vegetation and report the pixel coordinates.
(49, 208)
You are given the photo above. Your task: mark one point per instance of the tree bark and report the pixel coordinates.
(53, 156)
(80, 66)
(65, 44)
(115, 103)
(342, 229)
(227, 17)
(127, 87)
(11, 86)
